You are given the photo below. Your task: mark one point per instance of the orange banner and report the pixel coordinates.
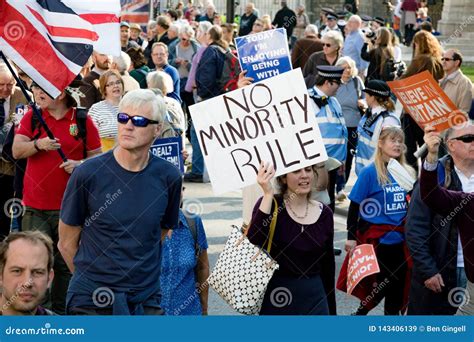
(362, 263)
(426, 102)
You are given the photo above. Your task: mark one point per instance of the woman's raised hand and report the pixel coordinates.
(264, 178)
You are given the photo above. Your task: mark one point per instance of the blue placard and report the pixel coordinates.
(264, 54)
(169, 149)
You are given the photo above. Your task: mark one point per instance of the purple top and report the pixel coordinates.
(299, 253)
(457, 205)
(192, 72)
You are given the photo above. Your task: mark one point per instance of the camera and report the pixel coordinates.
(371, 35)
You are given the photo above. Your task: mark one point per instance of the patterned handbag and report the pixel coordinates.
(243, 270)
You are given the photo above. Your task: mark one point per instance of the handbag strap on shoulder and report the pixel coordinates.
(271, 233)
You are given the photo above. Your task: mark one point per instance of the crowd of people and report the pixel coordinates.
(102, 217)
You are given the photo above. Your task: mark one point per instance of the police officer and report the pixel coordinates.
(380, 113)
(330, 119)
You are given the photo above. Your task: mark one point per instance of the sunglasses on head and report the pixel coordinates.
(137, 120)
(468, 138)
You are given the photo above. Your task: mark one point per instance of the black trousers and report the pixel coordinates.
(413, 139)
(188, 100)
(351, 148)
(391, 279)
(6, 196)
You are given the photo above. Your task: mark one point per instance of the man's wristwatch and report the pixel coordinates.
(35, 144)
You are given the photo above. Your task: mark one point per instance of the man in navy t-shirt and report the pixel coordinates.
(116, 209)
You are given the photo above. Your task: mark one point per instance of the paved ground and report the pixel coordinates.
(219, 213)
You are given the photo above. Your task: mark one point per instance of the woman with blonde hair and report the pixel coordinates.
(174, 113)
(376, 216)
(427, 53)
(351, 97)
(378, 53)
(104, 113)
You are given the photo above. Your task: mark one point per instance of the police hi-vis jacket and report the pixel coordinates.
(331, 124)
(369, 131)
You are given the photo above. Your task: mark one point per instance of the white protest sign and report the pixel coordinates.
(272, 120)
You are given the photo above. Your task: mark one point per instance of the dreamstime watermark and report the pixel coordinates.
(108, 202)
(192, 208)
(103, 297)
(280, 297)
(456, 210)
(290, 198)
(458, 296)
(370, 208)
(13, 208)
(377, 288)
(458, 31)
(188, 301)
(14, 30)
(46, 330)
(13, 298)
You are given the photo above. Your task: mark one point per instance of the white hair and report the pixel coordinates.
(123, 62)
(151, 24)
(4, 70)
(204, 26)
(139, 98)
(349, 61)
(175, 27)
(160, 80)
(336, 37)
(311, 29)
(187, 30)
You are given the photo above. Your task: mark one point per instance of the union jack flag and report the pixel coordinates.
(51, 40)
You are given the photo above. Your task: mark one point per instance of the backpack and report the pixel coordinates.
(81, 118)
(230, 71)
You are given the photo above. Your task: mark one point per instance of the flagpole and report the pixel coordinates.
(32, 105)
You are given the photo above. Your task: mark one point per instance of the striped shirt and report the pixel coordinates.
(104, 116)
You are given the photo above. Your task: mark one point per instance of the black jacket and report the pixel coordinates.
(286, 18)
(433, 243)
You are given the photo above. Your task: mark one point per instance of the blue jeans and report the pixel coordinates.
(197, 159)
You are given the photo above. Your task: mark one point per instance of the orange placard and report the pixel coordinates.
(426, 102)
(362, 263)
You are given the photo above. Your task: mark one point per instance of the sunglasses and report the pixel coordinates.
(137, 120)
(327, 45)
(445, 59)
(468, 138)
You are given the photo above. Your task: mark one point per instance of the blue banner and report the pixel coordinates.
(169, 149)
(229, 329)
(264, 54)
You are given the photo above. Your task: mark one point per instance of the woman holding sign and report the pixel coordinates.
(376, 216)
(302, 244)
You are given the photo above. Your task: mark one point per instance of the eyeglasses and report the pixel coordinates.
(137, 120)
(111, 84)
(468, 138)
(327, 45)
(447, 59)
(158, 54)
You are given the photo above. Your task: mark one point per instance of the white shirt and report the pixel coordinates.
(467, 186)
